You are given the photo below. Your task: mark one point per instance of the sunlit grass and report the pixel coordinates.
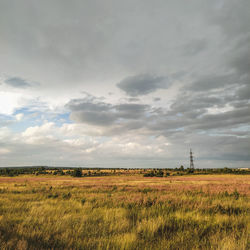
(124, 213)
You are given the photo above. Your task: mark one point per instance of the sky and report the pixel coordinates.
(133, 83)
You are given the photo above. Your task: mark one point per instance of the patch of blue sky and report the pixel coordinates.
(178, 129)
(243, 131)
(33, 118)
(5, 120)
(242, 128)
(62, 118)
(29, 119)
(24, 110)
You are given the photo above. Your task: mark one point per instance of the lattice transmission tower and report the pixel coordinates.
(191, 159)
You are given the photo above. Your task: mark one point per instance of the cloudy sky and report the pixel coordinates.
(133, 83)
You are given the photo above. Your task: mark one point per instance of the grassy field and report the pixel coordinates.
(125, 212)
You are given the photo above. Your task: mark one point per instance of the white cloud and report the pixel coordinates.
(4, 151)
(9, 101)
(5, 132)
(19, 117)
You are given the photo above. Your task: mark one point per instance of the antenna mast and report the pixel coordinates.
(191, 159)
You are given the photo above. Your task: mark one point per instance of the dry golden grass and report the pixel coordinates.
(125, 212)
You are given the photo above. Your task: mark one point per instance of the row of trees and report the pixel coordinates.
(79, 172)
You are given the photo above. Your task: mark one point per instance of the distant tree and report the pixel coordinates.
(159, 173)
(227, 170)
(181, 168)
(149, 174)
(77, 172)
(68, 172)
(60, 172)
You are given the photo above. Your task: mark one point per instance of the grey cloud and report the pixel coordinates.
(238, 104)
(142, 84)
(179, 74)
(131, 111)
(156, 99)
(86, 105)
(213, 82)
(93, 117)
(233, 17)
(188, 113)
(244, 92)
(17, 82)
(227, 119)
(133, 99)
(232, 153)
(83, 38)
(103, 114)
(195, 105)
(85, 111)
(127, 107)
(239, 60)
(194, 47)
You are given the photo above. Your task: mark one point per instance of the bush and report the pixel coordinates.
(158, 173)
(66, 196)
(52, 196)
(150, 202)
(236, 195)
(146, 190)
(190, 171)
(77, 172)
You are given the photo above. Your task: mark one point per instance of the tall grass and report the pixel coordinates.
(55, 215)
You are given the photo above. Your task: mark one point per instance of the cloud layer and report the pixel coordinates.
(125, 83)
(17, 82)
(142, 84)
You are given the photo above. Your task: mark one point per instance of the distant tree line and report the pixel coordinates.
(88, 172)
(182, 171)
(75, 172)
(14, 171)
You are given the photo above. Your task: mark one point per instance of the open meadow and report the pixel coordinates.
(125, 212)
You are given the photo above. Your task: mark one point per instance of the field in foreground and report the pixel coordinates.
(125, 212)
